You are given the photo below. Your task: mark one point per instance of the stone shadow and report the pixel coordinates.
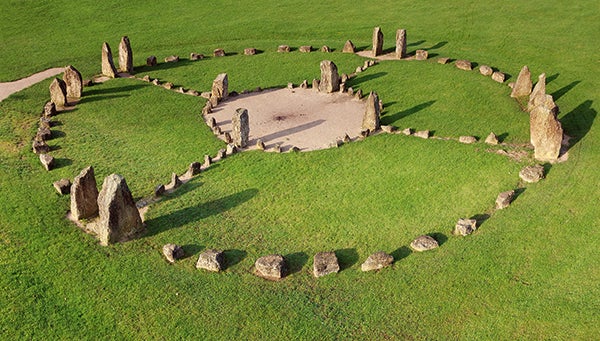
(62, 162)
(233, 257)
(439, 237)
(481, 218)
(191, 250)
(111, 90)
(295, 262)
(364, 78)
(167, 65)
(401, 253)
(562, 91)
(388, 119)
(346, 258)
(578, 122)
(100, 98)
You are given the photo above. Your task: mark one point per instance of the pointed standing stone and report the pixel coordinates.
(72, 79)
(538, 90)
(58, 92)
(400, 44)
(371, 118)
(220, 87)
(349, 47)
(545, 130)
(330, 79)
(84, 195)
(125, 56)
(241, 128)
(523, 84)
(377, 41)
(108, 66)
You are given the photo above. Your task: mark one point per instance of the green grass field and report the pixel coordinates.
(529, 272)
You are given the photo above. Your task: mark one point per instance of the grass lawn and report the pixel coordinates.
(529, 272)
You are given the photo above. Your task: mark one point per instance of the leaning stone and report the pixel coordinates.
(467, 139)
(315, 84)
(504, 199)
(465, 227)
(74, 85)
(421, 55)
(207, 161)
(546, 132)
(377, 41)
(220, 87)
(119, 217)
(173, 252)
(424, 134)
(125, 55)
(498, 76)
(271, 267)
(401, 43)
(485, 70)
(408, 132)
(62, 186)
(538, 90)
(388, 129)
(219, 53)
(283, 48)
(325, 263)
(523, 84)
(376, 261)
(151, 61)
(532, 174)
(325, 48)
(40, 147)
(159, 190)
(424, 243)
(49, 109)
(348, 47)
(175, 182)
(250, 51)
(196, 56)
(84, 195)
(305, 48)
(172, 59)
(47, 161)
(211, 260)
(58, 92)
(108, 65)
(240, 128)
(330, 79)
(443, 60)
(370, 120)
(491, 139)
(463, 64)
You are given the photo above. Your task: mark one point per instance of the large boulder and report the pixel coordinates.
(522, 86)
(370, 120)
(119, 217)
(532, 174)
(240, 128)
(465, 227)
(271, 267)
(325, 263)
(73, 82)
(401, 44)
(58, 92)
(173, 252)
(211, 260)
(376, 261)
(220, 87)
(125, 55)
(84, 195)
(330, 79)
(546, 132)
(424, 243)
(108, 65)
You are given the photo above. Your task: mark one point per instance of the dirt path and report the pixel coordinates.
(9, 88)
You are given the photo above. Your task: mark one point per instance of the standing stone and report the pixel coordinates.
(119, 217)
(498, 76)
(151, 61)
(523, 84)
(62, 186)
(421, 55)
(74, 85)
(211, 260)
(330, 79)
(325, 263)
(348, 47)
(463, 64)
(84, 195)
(504, 199)
(491, 139)
(546, 132)
(58, 92)
(538, 90)
(125, 56)
(271, 267)
(370, 120)
(424, 243)
(108, 66)
(173, 252)
(220, 87)
(47, 161)
(241, 128)
(49, 110)
(377, 41)
(401, 43)
(376, 261)
(465, 227)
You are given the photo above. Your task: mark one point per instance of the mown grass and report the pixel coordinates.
(529, 273)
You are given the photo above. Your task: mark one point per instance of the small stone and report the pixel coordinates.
(376, 261)
(290, 86)
(194, 168)
(43, 134)
(467, 139)
(45, 122)
(168, 85)
(151, 61)
(424, 243)
(294, 149)
(504, 199)
(364, 134)
(388, 129)
(305, 48)
(175, 182)
(219, 52)
(498, 76)
(181, 90)
(271, 267)
(348, 47)
(87, 82)
(156, 81)
(532, 174)
(211, 260)
(283, 48)
(40, 147)
(159, 190)
(325, 48)
(231, 149)
(249, 51)
(463, 64)
(260, 144)
(47, 161)
(49, 109)
(346, 139)
(277, 148)
(465, 227)
(227, 137)
(196, 56)
(523, 84)
(359, 69)
(424, 134)
(207, 161)
(485, 70)
(146, 78)
(511, 85)
(172, 59)
(304, 84)
(315, 84)
(173, 252)
(408, 132)
(350, 91)
(443, 60)
(342, 87)
(491, 139)
(193, 93)
(358, 94)
(421, 55)
(221, 154)
(63, 186)
(325, 263)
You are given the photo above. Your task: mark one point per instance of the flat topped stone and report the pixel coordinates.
(173, 252)
(283, 48)
(376, 261)
(305, 48)
(532, 174)
(249, 51)
(424, 243)
(467, 139)
(196, 56)
(421, 55)
(325, 263)
(211, 260)
(271, 267)
(465, 227)
(424, 134)
(504, 199)
(498, 76)
(463, 64)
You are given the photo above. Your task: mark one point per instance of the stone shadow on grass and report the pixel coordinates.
(295, 262)
(388, 119)
(365, 78)
(109, 90)
(62, 162)
(401, 253)
(191, 250)
(439, 237)
(562, 91)
(481, 218)
(578, 122)
(233, 257)
(346, 258)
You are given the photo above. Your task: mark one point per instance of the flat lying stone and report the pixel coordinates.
(172, 59)
(463, 64)
(424, 243)
(421, 55)
(196, 56)
(325, 263)
(443, 60)
(271, 267)
(305, 48)
(219, 53)
(250, 51)
(424, 134)
(504, 199)
(498, 76)
(485, 70)
(467, 139)
(173, 252)
(376, 261)
(211, 260)
(283, 48)
(465, 227)
(532, 174)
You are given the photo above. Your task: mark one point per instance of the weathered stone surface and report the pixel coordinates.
(467, 139)
(443, 60)
(325, 48)
(211, 260)
(221, 154)
(283, 48)
(45, 122)
(47, 161)
(196, 56)
(151, 61)
(532, 174)
(523, 84)
(172, 59)
(315, 84)
(271, 267)
(376, 261)
(220, 87)
(408, 131)
(49, 110)
(546, 132)
(175, 182)
(250, 51)
(491, 139)
(119, 217)
(465, 227)
(173, 252)
(125, 55)
(168, 85)
(84, 195)
(305, 48)
(504, 199)
(62, 186)
(485, 70)
(73, 82)
(207, 161)
(260, 144)
(349, 47)
(304, 84)
(424, 243)
(108, 65)
(421, 55)
(240, 128)
(498, 76)
(194, 168)
(538, 90)
(159, 190)
(401, 43)
(358, 94)
(330, 79)
(219, 53)
(43, 134)
(231, 149)
(424, 134)
(350, 91)
(58, 92)
(377, 41)
(388, 129)
(463, 64)
(40, 147)
(370, 120)
(325, 263)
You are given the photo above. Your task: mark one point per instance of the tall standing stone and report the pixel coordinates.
(74, 84)
(58, 92)
(538, 90)
(546, 132)
(108, 66)
(125, 56)
(220, 87)
(241, 128)
(523, 84)
(330, 79)
(401, 43)
(371, 118)
(84, 195)
(377, 41)
(119, 217)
